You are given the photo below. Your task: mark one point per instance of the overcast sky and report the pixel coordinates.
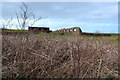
(89, 16)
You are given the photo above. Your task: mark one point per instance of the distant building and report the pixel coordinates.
(39, 29)
(74, 30)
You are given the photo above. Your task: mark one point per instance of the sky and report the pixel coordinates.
(89, 16)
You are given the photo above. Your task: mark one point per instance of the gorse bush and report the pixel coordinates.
(36, 56)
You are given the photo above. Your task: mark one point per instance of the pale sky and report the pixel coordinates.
(89, 16)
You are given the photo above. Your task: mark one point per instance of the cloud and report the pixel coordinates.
(67, 10)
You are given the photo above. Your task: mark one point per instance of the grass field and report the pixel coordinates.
(59, 56)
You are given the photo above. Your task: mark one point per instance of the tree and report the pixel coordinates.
(7, 23)
(25, 15)
(97, 31)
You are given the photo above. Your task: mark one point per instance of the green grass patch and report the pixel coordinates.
(94, 38)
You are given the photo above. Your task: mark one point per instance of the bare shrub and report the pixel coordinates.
(58, 57)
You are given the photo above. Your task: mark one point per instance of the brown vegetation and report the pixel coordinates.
(35, 56)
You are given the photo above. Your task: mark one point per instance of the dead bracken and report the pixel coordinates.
(58, 56)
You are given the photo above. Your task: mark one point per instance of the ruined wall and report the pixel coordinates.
(38, 29)
(74, 30)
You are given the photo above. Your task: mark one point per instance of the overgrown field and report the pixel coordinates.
(59, 56)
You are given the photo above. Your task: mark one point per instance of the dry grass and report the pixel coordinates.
(59, 57)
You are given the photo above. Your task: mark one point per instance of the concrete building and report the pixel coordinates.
(38, 29)
(74, 30)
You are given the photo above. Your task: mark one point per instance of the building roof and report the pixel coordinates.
(38, 27)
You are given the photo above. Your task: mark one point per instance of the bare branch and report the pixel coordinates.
(18, 20)
(25, 16)
(7, 23)
(35, 20)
